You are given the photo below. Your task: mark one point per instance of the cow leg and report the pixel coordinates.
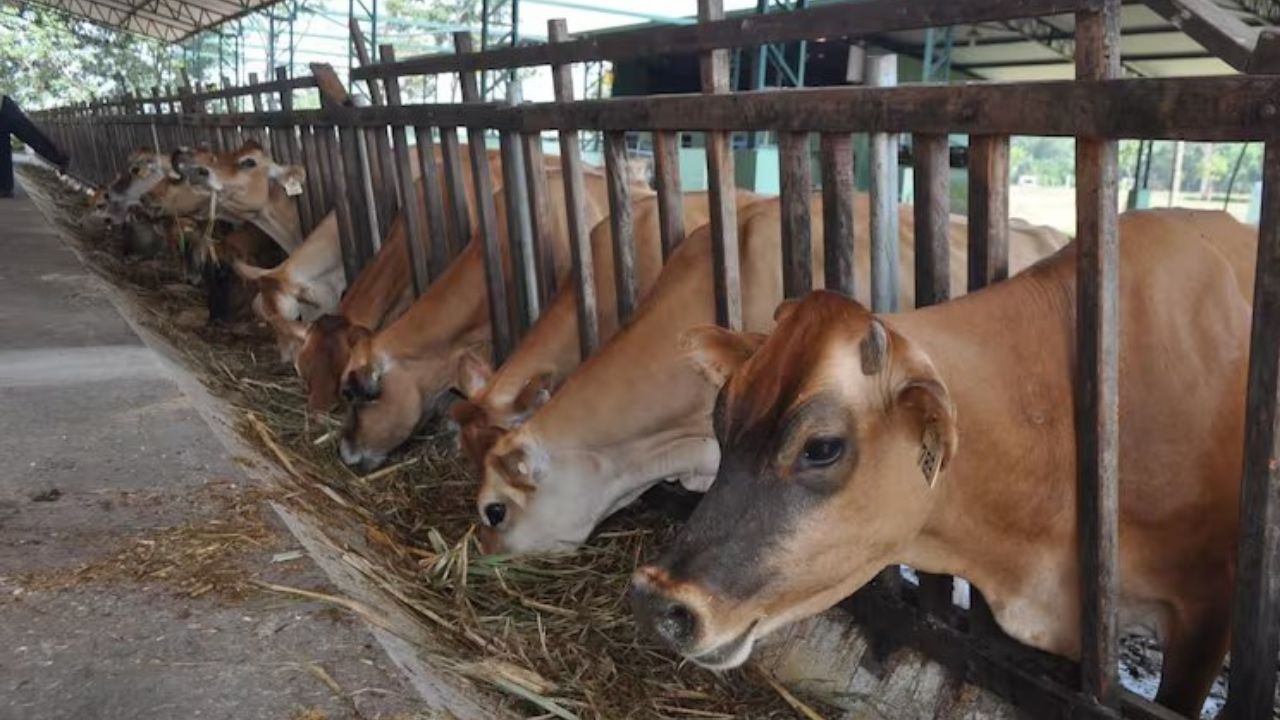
(1194, 645)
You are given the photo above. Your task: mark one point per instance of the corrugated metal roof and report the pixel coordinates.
(167, 20)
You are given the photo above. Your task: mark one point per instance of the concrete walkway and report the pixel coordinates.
(105, 465)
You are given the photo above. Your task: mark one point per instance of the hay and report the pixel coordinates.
(552, 634)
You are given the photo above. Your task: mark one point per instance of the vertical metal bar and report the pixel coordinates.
(666, 160)
(988, 210)
(1097, 406)
(495, 281)
(410, 207)
(1254, 610)
(838, 194)
(882, 71)
(621, 224)
(796, 180)
(575, 199)
(721, 185)
(539, 216)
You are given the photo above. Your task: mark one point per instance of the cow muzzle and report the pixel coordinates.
(668, 612)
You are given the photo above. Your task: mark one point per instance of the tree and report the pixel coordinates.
(47, 59)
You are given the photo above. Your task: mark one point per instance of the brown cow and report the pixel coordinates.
(401, 374)
(498, 402)
(380, 294)
(636, 414)
(249, 184)
(945, 438)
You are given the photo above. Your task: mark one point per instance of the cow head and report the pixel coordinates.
(243, 178)
(481, 420)
(325, 351)
(278, 302)
(833, 436)
(145, 168)
(389, 398)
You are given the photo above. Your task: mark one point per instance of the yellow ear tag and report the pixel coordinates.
(292, 187)
(931, 454)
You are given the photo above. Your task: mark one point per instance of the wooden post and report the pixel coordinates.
(515, 182)
(524, 267)
(838, 192)
(721, 185)
(882, 71)
(540, 216)
(438, 253)
(255, 101)
(410, 207)
(287, 143)
(454, 183)
(1097, 367)
(988, 210)
(932, 219)
(621, 225)
(495, 280)
(340, 155)
(575, 200)
(796, 179)
(380, 183)
(666, 160)
(933, 284)
(1254, 610)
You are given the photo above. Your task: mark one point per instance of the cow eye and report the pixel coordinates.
(495, 513)
(822, 452)
(202, 171)
(248, 163)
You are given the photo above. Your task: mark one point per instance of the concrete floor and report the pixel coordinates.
(100, 450)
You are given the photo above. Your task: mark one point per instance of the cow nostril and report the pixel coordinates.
(495, 513)
(675, 623)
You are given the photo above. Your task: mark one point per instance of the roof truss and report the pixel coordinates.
(167, 20)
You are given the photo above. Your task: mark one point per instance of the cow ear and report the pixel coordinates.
(716, 352)
(290, 177)
(247, 272)
(534, 394)
(474, 373)
(784, 309)
(925, 403)
(521, 467)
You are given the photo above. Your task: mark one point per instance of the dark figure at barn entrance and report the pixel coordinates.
(14, 122)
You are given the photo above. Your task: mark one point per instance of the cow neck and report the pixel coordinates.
(452, 308)
(979, 345)
(551, 346)
(381, 284)
(319, 255)
(279, 219)
(596, 408)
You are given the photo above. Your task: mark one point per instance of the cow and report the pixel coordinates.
(303, 287)
(498, 402)
(635, 413)
(399, 376)
(250, 185)
(111, 203)
(945, 438)
(380, 294)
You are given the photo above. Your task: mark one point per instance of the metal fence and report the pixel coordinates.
(359, 166)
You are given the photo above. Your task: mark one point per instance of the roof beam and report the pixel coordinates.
(1221, 32)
